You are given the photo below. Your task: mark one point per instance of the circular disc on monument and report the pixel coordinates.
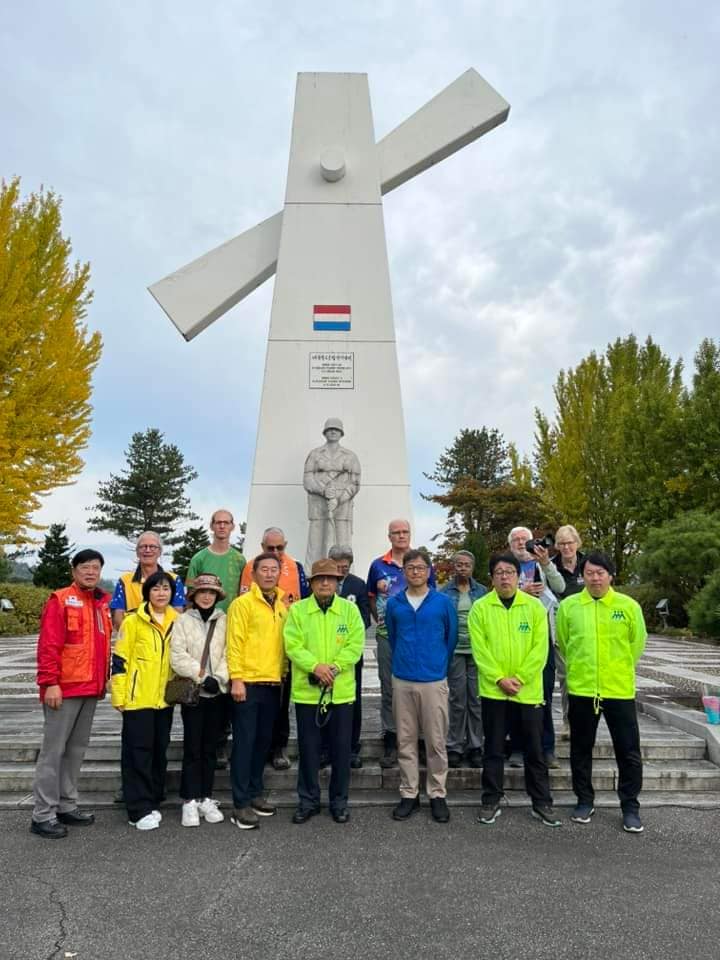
(332, 164)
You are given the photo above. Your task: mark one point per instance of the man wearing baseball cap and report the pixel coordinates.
(601, 634)
(324, 637)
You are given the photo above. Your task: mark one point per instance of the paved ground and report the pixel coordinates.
(371, 889)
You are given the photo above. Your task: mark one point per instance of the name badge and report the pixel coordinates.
(72, 601)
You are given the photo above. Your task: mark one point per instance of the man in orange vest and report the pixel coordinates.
(294, 586)
(73, 661)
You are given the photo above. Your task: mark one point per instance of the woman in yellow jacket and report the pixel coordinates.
(140, 671)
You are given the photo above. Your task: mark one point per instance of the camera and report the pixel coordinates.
(548, 541)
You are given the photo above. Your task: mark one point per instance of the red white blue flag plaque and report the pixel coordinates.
(331, 317)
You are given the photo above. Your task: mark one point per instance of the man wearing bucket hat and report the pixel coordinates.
(601, 635)
(324, 638)
(331, 479)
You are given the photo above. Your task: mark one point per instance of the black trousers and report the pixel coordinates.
(252, 723)
(357, 715)
(528, 720)
(339, 734)
(202, 726)
(145, 738)
(281, 727)
(621, 718)
(548, 731)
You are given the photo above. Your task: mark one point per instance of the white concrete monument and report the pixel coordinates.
(331, 345)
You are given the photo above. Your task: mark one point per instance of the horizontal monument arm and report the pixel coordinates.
(200, 292)
(459, 114)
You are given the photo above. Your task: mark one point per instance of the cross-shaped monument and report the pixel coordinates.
(331, 345)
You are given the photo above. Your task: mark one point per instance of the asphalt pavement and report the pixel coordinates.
(370, 889)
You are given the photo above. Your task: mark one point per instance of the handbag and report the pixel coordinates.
(184, 690)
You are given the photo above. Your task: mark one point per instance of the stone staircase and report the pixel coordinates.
(676, 770)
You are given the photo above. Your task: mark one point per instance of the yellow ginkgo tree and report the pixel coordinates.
(47, 357)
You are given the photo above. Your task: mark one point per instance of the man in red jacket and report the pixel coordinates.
(73, 658)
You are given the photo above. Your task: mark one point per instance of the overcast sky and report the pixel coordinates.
(165, 127)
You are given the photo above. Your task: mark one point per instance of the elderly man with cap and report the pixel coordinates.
(331, 478)
(324, 638)
(601, 635)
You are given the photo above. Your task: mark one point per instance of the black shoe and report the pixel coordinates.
(340, 816)
(280, 760)
(475, 758)
(356, 762)
(303, 814)
(76, 818)
(389, 758)
(454, 759)
(439, 809)
(422, 753)
(406, 808)
(50, 829)
(546, 814)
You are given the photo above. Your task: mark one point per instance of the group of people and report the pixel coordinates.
(466, 675)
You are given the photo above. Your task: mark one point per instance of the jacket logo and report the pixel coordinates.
(617, 615)
(342, 628)
(73, 601)
(524, 627)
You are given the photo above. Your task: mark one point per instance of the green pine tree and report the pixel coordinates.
(194, 539)
(53, 569)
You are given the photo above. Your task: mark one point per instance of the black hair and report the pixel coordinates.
(508, 557)
(86, 556)
(416, 555)
(153, 580)
(266, 556)
(599, 559)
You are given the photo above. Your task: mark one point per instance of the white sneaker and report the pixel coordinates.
(190, 814)
(208, 808)
(157, 815)
(148, 822)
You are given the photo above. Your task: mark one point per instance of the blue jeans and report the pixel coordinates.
(252, 723)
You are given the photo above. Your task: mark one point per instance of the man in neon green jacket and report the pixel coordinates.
(324, 638)
(509, 639)
(601, 635)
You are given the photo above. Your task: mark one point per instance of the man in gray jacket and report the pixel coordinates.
(540, 578)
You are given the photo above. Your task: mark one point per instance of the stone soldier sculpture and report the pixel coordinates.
(331, 479)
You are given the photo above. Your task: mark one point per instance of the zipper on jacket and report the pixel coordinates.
(132, 692)
(596, 701)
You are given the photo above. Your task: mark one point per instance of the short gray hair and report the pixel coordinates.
(341, 551)
(277, 530)
(515, 530)
(464, 553)
(149, 533)
(568, 530)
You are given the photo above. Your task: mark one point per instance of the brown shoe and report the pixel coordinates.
(261, 806)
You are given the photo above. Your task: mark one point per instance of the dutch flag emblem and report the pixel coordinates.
(331, 317)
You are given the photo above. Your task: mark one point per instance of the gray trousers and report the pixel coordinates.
(65, 738)
(384, 663)
(465, 729)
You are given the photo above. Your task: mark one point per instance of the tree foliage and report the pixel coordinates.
(704, 608)
(193, 540)
(698, 475)
(606, 460)
(53, 569)
(480, 455)
(47, 357)
(149, 494)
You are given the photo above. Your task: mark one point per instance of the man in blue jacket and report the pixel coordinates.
(422, 633)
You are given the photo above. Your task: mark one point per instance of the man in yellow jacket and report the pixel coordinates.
(509, 639)
(601, 635)
(324, 639)
(257, 665)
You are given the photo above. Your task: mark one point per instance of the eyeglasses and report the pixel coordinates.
(222, 523)
(416, 567)
(148, 546)
(398, 533)
(504, 574)
(565, 543)
(273, 549)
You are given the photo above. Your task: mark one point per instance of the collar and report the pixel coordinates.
(608, 599)
(315, 607)
(388, 558)
(520, 598)
(258, 594)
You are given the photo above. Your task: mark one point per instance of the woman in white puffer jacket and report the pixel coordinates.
(202, 724)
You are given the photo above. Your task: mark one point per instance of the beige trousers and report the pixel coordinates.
(421, 706)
